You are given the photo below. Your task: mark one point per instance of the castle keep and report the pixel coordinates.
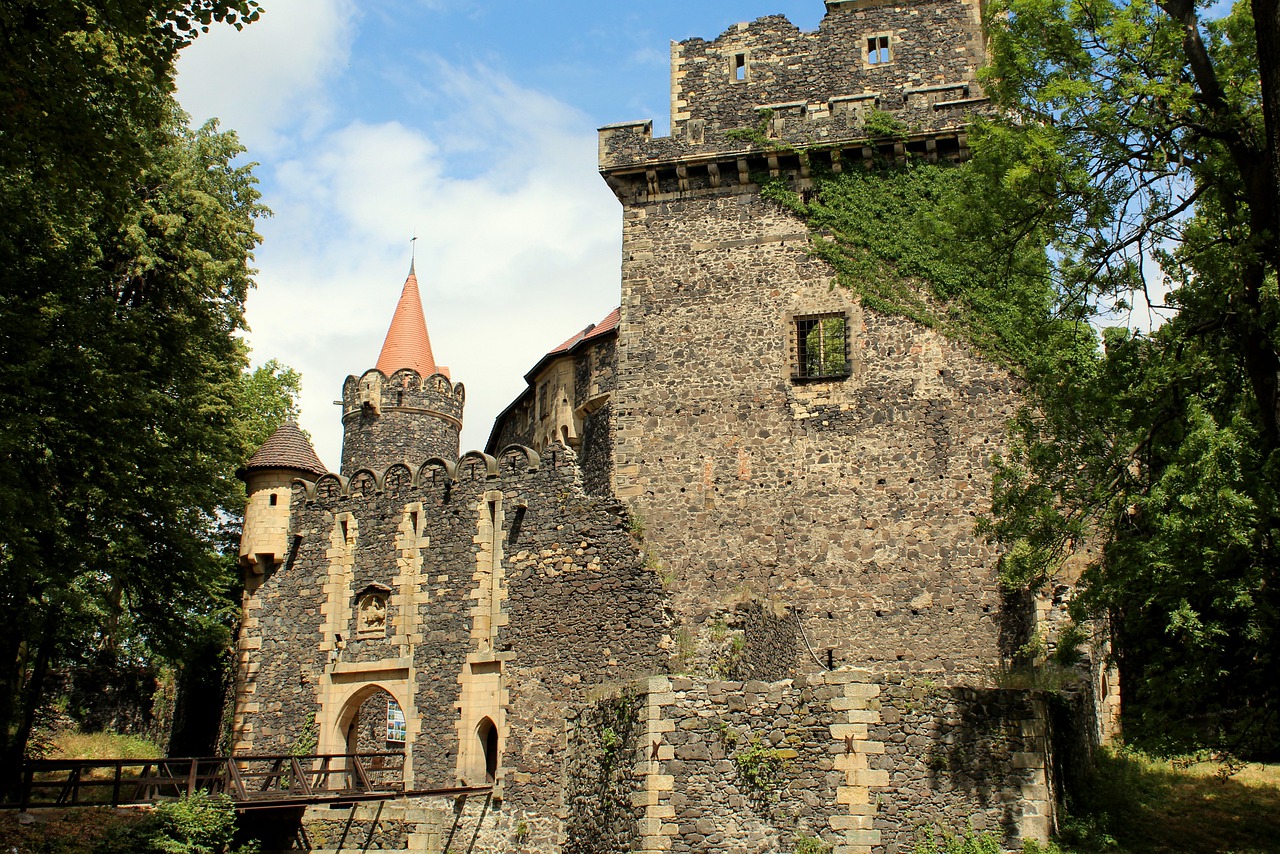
(713, 585)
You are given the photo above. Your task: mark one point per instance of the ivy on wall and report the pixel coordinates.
(902, 237)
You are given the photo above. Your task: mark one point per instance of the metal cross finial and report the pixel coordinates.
(413, 253)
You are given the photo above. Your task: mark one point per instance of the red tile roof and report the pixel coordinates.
(407, 344)
(288, 448)
(595, 330)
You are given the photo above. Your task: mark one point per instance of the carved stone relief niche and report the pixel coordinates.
(371, 612)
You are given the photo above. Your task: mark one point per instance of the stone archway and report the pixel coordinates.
(368, 726)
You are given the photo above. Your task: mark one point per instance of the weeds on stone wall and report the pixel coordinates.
(758, 136)
(880, 124)
(758, 765)
(729, 662)
(307, 739)
(804, 844)
(601, 816)
(931, 841)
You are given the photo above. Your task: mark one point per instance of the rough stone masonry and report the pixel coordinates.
(752, 614)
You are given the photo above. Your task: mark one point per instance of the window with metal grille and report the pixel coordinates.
(877, 50)
(396, 727)
(822, 346)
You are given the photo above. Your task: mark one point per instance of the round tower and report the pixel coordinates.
(269, 477)
(405, 410)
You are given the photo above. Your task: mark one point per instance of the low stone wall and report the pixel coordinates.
(425, 825)
(859, 761)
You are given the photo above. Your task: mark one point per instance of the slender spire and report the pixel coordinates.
(407, 344)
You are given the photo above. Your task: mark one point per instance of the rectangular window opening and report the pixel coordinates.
(544, 399)
(877, 50)
(822, 346)
(740, 66)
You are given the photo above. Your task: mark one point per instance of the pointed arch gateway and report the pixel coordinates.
(369, 717)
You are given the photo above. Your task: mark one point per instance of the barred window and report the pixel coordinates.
(822, 346)
(396, 727)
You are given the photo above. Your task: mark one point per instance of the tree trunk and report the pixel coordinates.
(28, 701)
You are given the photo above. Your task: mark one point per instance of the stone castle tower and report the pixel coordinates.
(713, 585)
(406, 406)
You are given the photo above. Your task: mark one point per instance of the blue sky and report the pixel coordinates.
(472, 122)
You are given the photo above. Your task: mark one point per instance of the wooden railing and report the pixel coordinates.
(249, 780)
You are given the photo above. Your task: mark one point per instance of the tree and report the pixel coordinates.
(125, 241)
(1143, 140)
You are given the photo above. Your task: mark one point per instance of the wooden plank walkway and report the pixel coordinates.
(252, 781)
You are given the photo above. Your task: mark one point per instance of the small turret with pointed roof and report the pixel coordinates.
(287, 448)
(406, 409)
(268, 476)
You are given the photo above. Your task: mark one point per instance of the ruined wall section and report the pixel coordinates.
(765, 97)
(851, 501)
(934, 49)
(584, 611)
(856, 761)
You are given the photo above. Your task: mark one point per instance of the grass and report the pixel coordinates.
(71, 744)
(1140, 805)
(102, 745)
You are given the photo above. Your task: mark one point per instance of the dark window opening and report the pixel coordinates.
(544, 402)
(488, 734)
(740, 66)
(822, 346)
(274, 500)
(877, 50)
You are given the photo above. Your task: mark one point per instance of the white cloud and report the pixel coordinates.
(512, 258)
(267, 80)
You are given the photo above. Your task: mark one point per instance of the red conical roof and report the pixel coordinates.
(407, 344)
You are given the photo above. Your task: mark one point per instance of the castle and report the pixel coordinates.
(713, 585)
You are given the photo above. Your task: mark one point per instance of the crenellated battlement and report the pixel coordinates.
(765, 90)
(513, 464)
(405, 389)
(389, 419)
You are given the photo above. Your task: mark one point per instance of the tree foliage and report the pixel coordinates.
(125, 242)
(1140, 140)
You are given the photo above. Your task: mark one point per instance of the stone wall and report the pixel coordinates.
(851, 501)
(858, 761)
(504, 593)
(807, 96)
(935, 50)
(423, 825)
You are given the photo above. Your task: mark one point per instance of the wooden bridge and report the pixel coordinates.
(252, 782)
